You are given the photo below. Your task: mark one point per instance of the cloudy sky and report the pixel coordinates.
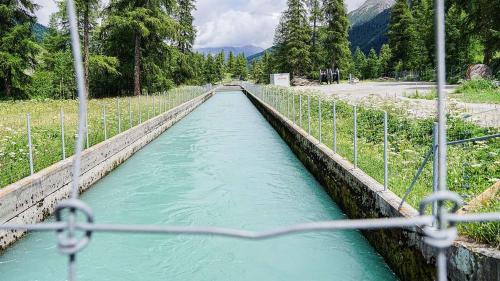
(225, 22)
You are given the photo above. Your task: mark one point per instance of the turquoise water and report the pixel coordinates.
(223, 165)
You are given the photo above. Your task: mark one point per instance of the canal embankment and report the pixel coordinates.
(360, 196)
(34, 198)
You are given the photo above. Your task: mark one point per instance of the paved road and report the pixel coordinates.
(379, 94)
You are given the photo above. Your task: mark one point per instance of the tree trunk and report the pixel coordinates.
(8, 84)
(137, 65)
(86, 48)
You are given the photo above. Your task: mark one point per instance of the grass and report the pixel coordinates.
(472, 167)
(422, 96)
(478, 91)
(46, 131)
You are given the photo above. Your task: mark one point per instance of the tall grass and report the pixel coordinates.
(46, 130)
(472, 167)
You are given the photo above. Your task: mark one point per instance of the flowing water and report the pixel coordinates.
(222, 165)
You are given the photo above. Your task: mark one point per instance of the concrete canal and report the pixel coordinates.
(222, 165)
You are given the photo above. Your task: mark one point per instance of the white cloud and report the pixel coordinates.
(46, 8)
(237, 23)
(224, 22)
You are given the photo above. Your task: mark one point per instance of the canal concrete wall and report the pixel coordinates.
(360, 196)
(34, 198)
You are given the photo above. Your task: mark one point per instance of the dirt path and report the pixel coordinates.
(378, 94)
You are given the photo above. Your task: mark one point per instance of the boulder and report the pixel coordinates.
(478, 71)
(301, 81)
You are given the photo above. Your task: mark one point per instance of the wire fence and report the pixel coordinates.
(439, 228)
(46, 133)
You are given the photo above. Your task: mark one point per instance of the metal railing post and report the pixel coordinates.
(386, 155)
(309, 115)
(63, 146)
(30, 145)
(119, 115)
(319, 120)
(293, 109)
(140, 110)
(129, 112)
(147, 105)
(104, 121)
(87, 129)
(435, 166)
(355, 137)
(300, 110)
(335, 126)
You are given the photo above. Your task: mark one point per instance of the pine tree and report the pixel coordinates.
(220, 67)
(337, 27)
(424, 25)
(17, 45)
(385, 58)
(210, 69)
(292, 38)
(372, 69)
(148, 25)
(267, 68)
(87, 12)
(459, 44)
(241, 68)
(316, 16)
(359, 63)
(403, 36)
(187, 32)
(231, 63)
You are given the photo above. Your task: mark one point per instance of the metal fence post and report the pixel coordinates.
(288, 105)
(293, 109)
(119, 115)
(147, 105)
(87, 128)
(63, 146)
(104, 121)
(140, 110)
(435, 161)
(335, 126)
(319, 120)
(300, 110)
(386, 155)
(355, 137)
(129, 113)
(309, 114)
(30, 146)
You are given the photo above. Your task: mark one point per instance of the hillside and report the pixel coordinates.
(368, 11)
(371, 34)
(39, 31)
(247, 50)
(369, 25)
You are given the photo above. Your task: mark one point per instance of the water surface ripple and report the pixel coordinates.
(223, 165)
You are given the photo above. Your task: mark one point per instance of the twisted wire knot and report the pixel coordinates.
(67, 241)
(445, 233)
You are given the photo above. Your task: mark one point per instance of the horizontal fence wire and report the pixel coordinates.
(440, 237)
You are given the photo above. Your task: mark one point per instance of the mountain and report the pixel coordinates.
(39, 31)
(247, 50)
(369, 25)
(259, 55)
(369, 10)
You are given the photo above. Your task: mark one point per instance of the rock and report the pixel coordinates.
(478, 71)
(301, 81)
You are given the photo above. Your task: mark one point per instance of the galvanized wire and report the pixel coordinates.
(440, 237)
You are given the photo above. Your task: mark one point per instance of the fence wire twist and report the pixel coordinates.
(441, 237)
